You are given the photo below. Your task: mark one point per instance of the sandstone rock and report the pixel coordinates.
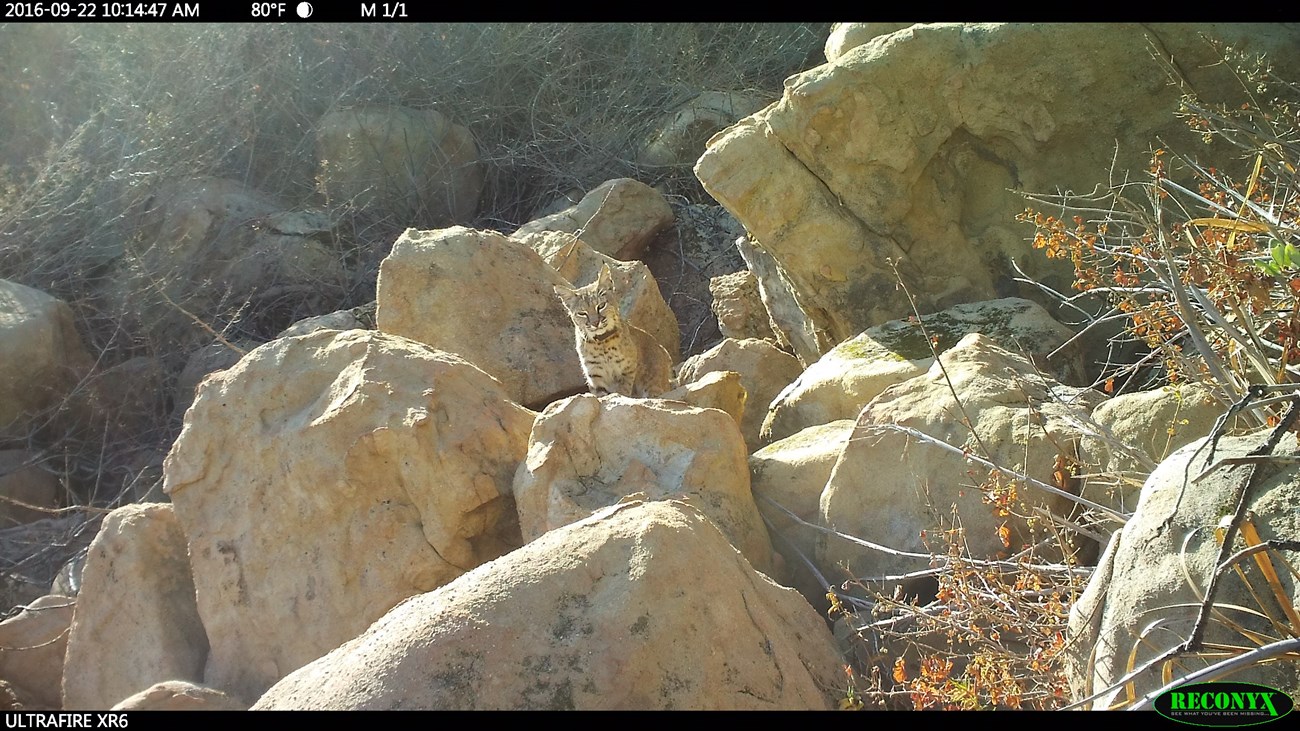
(643, 305)
(739, 307)
(325, 478)
(845, 37)
(42, 356)
(793, 472)
(488, 299)
(586, 453)
(27, 492)
(408, 161)
(32, 644)
(680, 136)
(136, 622)
(765, 371)
(905, 147)
(790, 323)
(845, 379)
(212, 249)
(721, 390)
(1137, 431)
(606, 613)
(890, 488)
(179, 695)
(16, 698)
(618, 218)
(1141, 586)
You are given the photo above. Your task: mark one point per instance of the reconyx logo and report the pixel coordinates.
(1224, 704)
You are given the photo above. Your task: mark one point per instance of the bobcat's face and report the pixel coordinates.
(593, 308)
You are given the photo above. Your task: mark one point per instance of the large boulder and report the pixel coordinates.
(410, 162)
(488, 299)
(764, 369)
(1144, 597)
(902, 151)
(32, 645)
(323, 479)
(618, 218)
(854, 372)
(892, 489)
(845, 37)
(585, 453)
(606, 613)
(136, 622)
(41, 356)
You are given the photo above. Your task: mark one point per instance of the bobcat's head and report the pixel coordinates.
(594, 308)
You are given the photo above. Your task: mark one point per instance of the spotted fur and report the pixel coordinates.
(616, 356)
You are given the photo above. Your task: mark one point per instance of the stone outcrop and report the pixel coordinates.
(606, 613)
(325, 478)
(844, 37)
(32, 645)
(585, 453)
(43, 355)
(136, 622)
(764, 369)
(1154, 573)
(721, 390)
(618, 218)
(903, 150)
(488, 299)
(892, 489)
(414, 162)
(846, 378)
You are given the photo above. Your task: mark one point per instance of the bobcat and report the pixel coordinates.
(616, 356)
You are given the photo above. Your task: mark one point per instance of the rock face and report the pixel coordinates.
(488, 299)
(325, 478)
(1143, 578)
(618, 218)
(889, 488)
(136, 622)
(904, 149)
(32, 645)
(764, 369)
(845, 379)
(586, 453)
(721, 390)
(414, 161)
(606, 613)
(42, 355)
(1138, 431)
(642, 304)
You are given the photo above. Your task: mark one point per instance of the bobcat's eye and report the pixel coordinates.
(600, 307)
(582, 313)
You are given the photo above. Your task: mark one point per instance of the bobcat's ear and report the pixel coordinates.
(605, 280)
